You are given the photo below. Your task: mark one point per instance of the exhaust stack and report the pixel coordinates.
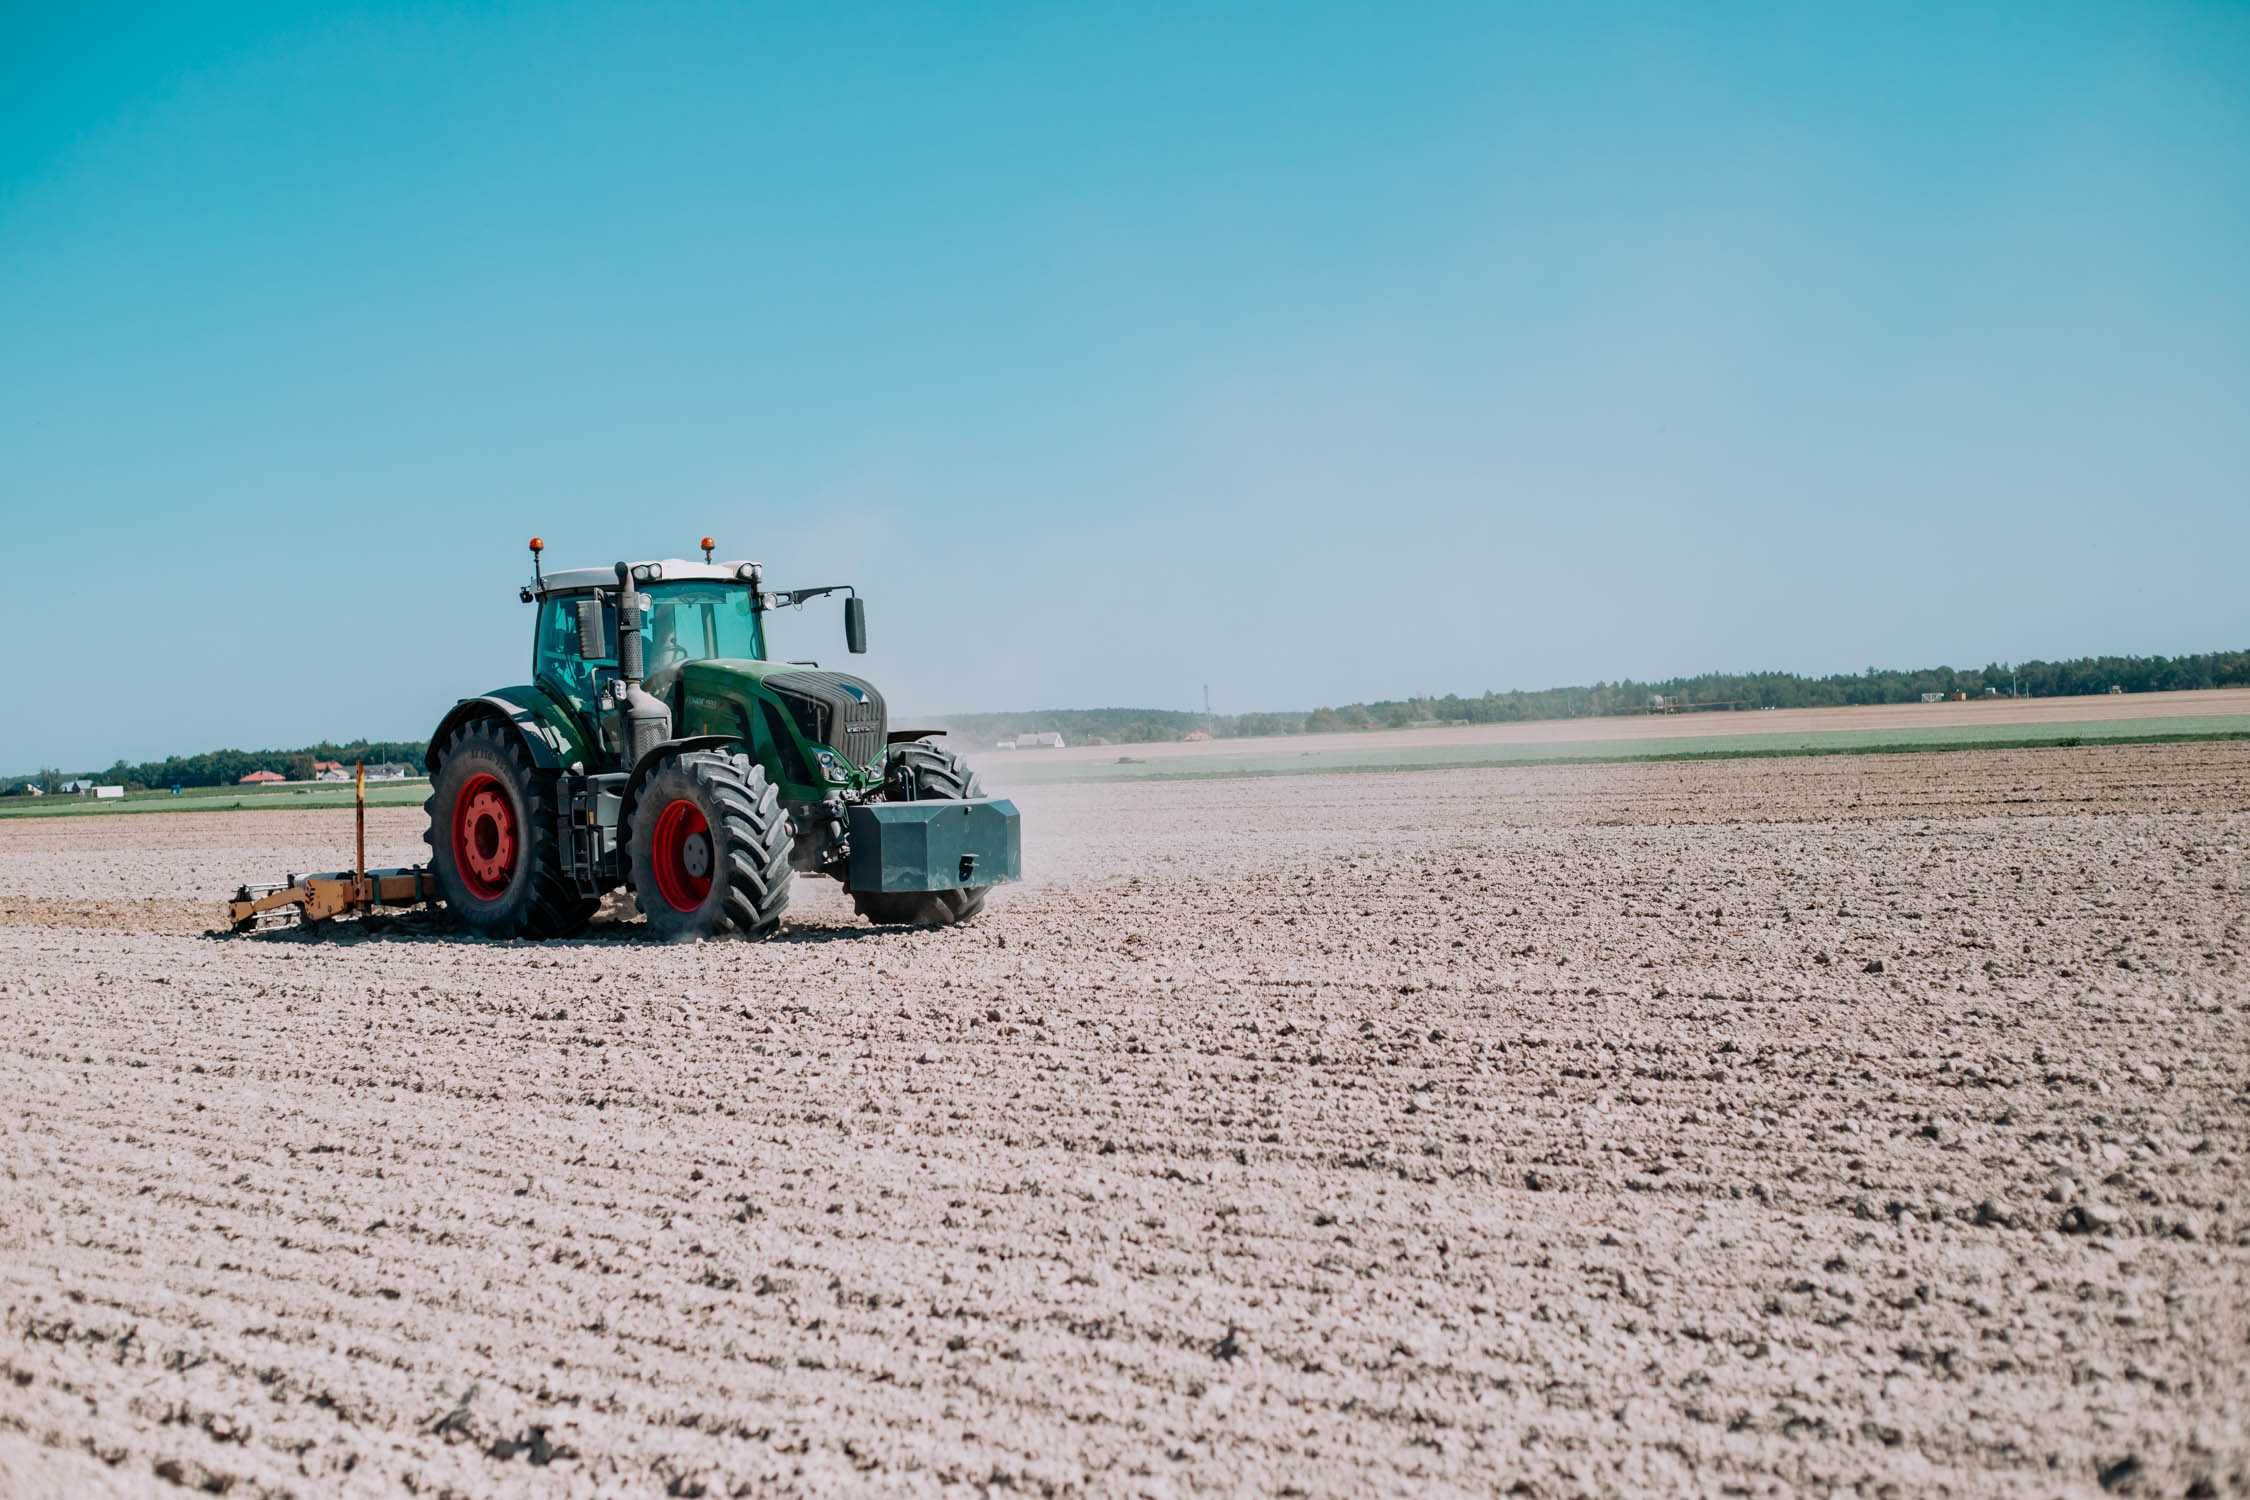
(648, 723)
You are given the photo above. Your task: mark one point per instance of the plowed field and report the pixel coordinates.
(1876, 1126)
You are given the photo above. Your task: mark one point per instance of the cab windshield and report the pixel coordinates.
(679, 622)
(698, 622)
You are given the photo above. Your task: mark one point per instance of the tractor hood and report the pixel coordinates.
(730, 675)
(835, 709)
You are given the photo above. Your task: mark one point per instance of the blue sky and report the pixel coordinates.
(1317, 353)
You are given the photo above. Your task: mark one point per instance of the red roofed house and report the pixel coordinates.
(261, 778)
(320, 766)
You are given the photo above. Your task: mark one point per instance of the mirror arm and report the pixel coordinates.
(799, 596)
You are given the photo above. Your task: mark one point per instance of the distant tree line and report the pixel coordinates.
(1140, 726)
(1749, 690)
(1078, 726)
(226, 767)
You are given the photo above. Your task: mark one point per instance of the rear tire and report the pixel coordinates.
(709, 848)
(494, 846)
(918, 771)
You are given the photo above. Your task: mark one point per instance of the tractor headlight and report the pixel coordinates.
(831, 764)
(649, 572)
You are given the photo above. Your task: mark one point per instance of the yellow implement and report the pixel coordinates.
(316, 898)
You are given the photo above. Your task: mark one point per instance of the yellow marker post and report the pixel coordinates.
(359, 799)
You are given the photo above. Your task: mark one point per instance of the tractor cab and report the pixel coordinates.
(694, 612)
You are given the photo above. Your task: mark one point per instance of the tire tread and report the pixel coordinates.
(758, 840)
(553, 906)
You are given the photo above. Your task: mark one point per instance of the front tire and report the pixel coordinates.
(709, 848)
(919, 771)
(494, 846)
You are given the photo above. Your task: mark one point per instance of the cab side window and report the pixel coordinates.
(556, 659)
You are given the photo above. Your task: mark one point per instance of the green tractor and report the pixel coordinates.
(656, 748)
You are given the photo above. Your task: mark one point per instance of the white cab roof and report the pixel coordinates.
(676, 570)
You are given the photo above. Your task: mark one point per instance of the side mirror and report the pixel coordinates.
(593, 641)
(855, 625)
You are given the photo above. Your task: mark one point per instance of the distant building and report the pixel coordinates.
(333, 773)
(2113, 687)
(33, 789)
(1045, 740)
(1004, 745)
(1195, 736)
(108, 793)
(262, 778)
(1933, 697)
(389, 770)
(321, 768)
(77, 788)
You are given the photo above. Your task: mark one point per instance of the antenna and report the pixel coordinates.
(1207, 699)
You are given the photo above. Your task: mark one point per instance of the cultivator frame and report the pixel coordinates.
(312, 899)
(316, 898)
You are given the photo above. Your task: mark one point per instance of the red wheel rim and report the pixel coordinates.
(680, 850)
(484, 837)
